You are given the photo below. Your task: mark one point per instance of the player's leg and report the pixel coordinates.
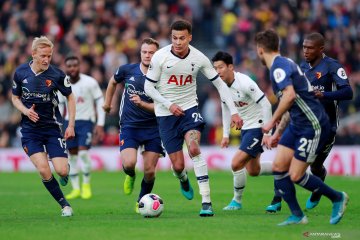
(147, 183)
(192, 139)
(74, 173)
(84, 132)
(129, 143)
(239, 178)
(41, 163)
(129, 158)
(171, 136)
(285, 185)
(318, 169)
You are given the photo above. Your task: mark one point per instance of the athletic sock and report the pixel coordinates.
(239, 184)
(315, 196)
(86, 165)
(314, 184)
(74, 172)
(146, 187)
(201, 172)
(277, 195)
(54, 189)
(287, 190)
(265, 168)
(130, 172)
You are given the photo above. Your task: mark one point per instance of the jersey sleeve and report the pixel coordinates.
(338, 74)
(119, 75)
(252, 89)
(64, 84)
(154, 71)
(280, 75)
(96, 90)
(16, 85)
(208, 70)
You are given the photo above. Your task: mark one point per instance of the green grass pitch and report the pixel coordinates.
(29, 212)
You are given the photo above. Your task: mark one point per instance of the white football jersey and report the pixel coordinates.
(86, 92)
(246, 94)
(175, 77)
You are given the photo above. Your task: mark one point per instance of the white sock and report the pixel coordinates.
(181, 176)
(201, 172)
(74, 172)
(239, 184)
(86, 165)
(265, 168)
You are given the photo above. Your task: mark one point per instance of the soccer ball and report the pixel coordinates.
(151, 205)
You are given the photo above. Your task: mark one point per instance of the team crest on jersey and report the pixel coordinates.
(318, 75)
(67, 81)
(192, 66)
(48, 82)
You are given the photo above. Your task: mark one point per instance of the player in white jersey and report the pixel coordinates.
(255, 109)
(173, 70)
(87, 93)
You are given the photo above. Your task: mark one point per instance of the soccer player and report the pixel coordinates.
(331, 85)
(171, 82)
(138, 126)
(87, 95)
(303, 138)
(255, 109)
(35, 85)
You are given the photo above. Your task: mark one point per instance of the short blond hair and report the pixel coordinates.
(40, 42)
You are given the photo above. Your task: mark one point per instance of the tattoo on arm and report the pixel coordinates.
(285, 119)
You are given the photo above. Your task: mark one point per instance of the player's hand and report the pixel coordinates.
(176, 110)
(318, 94)
(224, 142)
(136, 99)
(69, 133)
(107, 108)
(268, 126)
(99, 133)
(236, 121)
(270, 141)
(31, 114)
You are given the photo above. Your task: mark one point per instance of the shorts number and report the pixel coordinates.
(306, 145)
(253, 144)
(88, 138)
(197, 117)
(62, 143)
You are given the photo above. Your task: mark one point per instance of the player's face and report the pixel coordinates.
(224, 71)
(312, 50)
(180, 42)
(42, 58)
(72, 69)
(260, 53)
(146, 53)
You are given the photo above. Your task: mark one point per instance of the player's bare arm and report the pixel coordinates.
(109, 94)
(286, 101)
(142, 104)
(272, 141)
(29, 112)
(70, 132)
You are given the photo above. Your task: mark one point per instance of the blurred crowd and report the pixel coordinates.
(106, 34)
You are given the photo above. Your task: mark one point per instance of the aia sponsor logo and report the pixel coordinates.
(48, 82)
(180, 80)
(240, 104)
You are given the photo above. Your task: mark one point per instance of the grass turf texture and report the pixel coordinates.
(29, 212)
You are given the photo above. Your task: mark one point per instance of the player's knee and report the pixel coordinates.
(178, 167)
(63, 171)
(253, 171)
(149, 174)
(194, 149)
(295, 177)
(276, 167)
(44, 172)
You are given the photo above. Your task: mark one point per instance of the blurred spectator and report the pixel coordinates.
(105, 34)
